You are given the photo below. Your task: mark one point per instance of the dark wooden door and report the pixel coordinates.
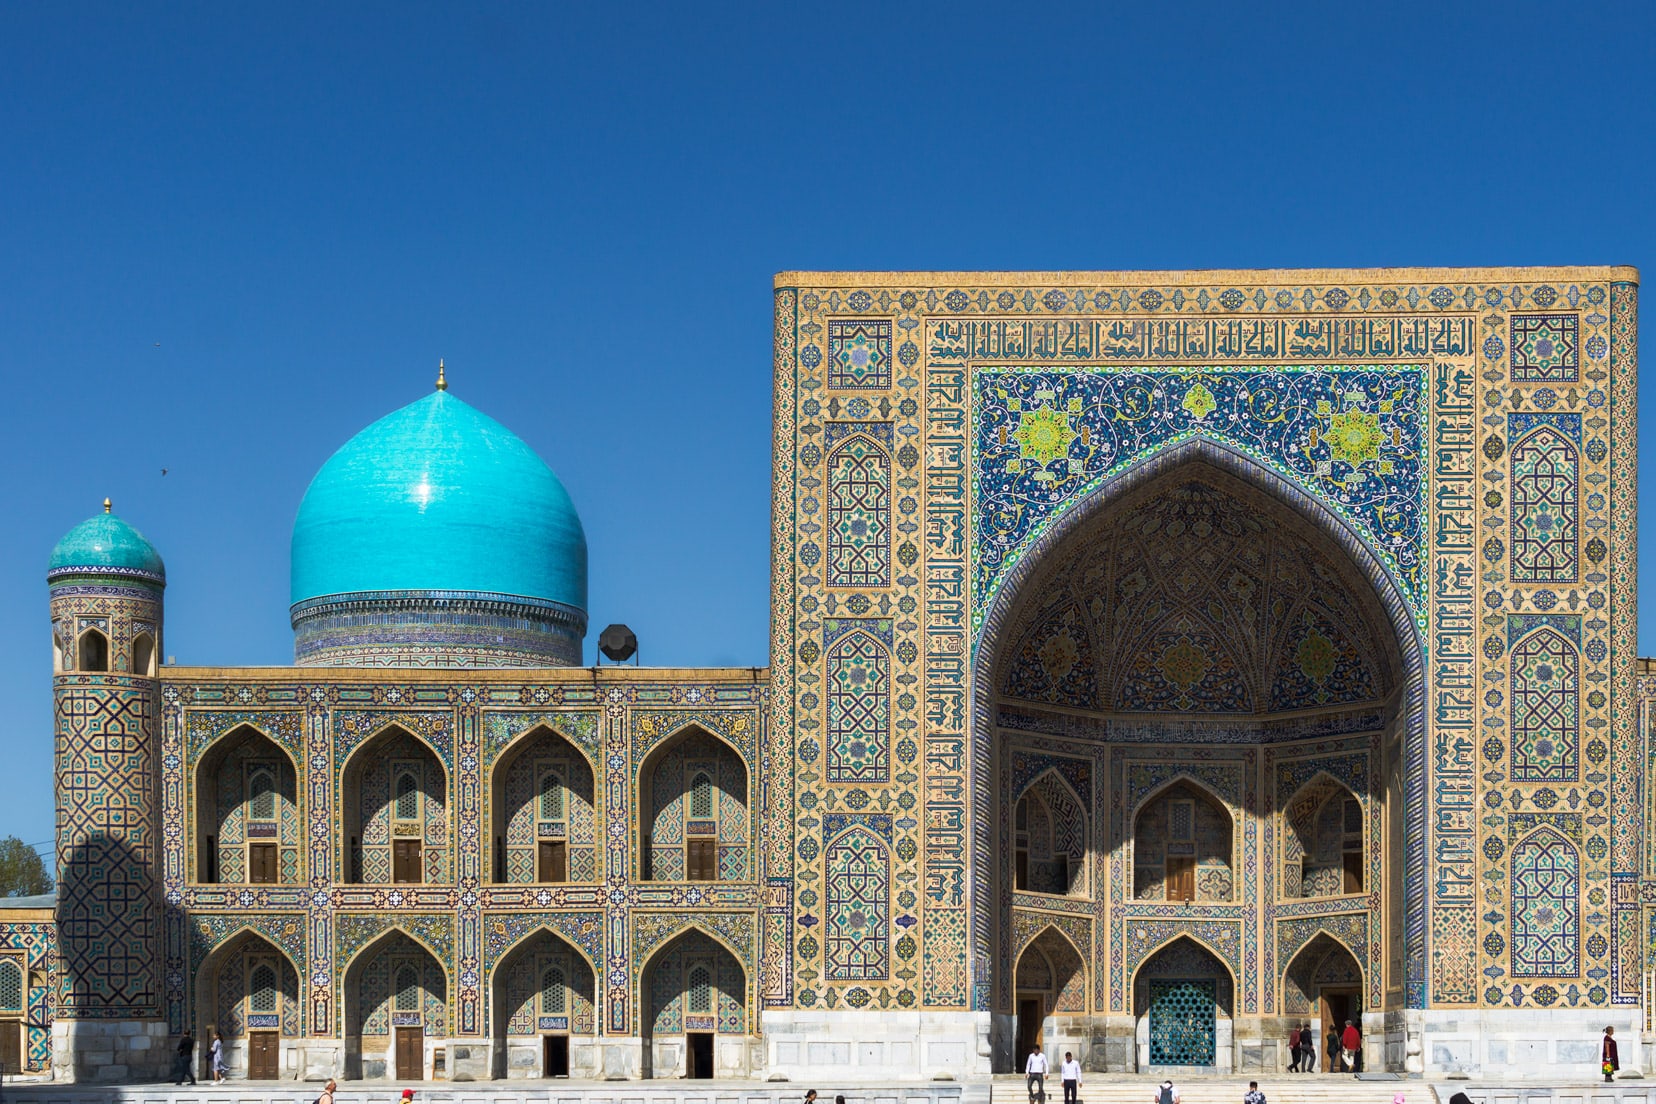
(553, 862)
(702, 860)
(11, 1046)
(410, 1053)
(261, 863)
(555, 1061)
(1029, 1027)
(1181, 877)
(405, 862)
(263, 1050)
(700, 1048)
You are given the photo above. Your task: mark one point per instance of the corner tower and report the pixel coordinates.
(437, 538)
(106, 583)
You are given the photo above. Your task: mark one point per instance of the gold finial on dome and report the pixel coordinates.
(108, 506)
(442, 382)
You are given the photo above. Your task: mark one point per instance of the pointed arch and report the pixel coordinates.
(856, 906)
(1052, 857)
(1546, 475)
(1400, 653)
(858, 530)
(223, 996)
(665, 991)
(1163, 953)
(371, 978)
(1325, 842)
(92, 651)
(1184, 843)
(534, 837)
(1544, 711)
(675, 844)
(857, 740)
(380, 845)
(236, 842)
(1545, 925)
(143, 655)
(1304, 971)
(1040, 933)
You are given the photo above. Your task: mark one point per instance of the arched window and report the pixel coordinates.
(551, 796)
(408, 988)
(143, 654)
(701, 795)
(261, 795)
(261, 988)
(407, 795)
(699, 990)
(57, 652)
(11, 986)
(1182, 847)
(553, 991)
(93, 651)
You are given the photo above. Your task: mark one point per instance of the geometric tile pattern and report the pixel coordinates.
(859, 354)
(1546, 703)
(856, 910)
(859, 511)
(1025, 399)
(1545, 348)
(1546, 476)
(1546, 907)
(859, 707)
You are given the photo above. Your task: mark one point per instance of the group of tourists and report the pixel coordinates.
(184, 1057)
(1343, 1047)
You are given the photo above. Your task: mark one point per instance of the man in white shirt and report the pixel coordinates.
(1036, 1069)
(1069, 1071)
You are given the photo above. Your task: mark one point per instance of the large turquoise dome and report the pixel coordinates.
(105, 545)
(431, 529)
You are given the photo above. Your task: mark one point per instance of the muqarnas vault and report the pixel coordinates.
(1159, 662)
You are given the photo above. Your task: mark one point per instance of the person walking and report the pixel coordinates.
(1035, 1071)
(183, 1064)
(1308, 1049)
(1253, 1095)
(215, 1054)
(810, 1096)
(1609, 1063)
(1167, 1093)
(327, 1096)
(1293, 1049)
(1351, 1043)
(1331, 1048)
(1069, 1071)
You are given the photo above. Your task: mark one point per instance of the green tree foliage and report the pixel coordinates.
(22, 872)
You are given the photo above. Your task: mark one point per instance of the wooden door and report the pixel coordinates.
(1029, 1027)
(410, 1054)
(555, 1060)
(11, 1046)
(263, 1050)
(699, 1045)
(553, 862)
(405, 862)
(261, 863)
(1181, 877)
(702, 860)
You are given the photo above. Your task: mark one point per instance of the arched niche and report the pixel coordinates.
(396, 1008)
(543, 814)
(1050, 980)
(1051, 834)
(394, 793)
(694, 817)
(92, 651)
(693, 993)
(1324, 841)
(247, 990)
(544, 1009)
(1322, 988)
(249, 830)
(1184, 845)
(1184, 1000)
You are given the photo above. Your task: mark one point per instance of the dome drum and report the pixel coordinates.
(454, 629)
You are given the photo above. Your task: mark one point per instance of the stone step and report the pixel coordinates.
(1278, 1089)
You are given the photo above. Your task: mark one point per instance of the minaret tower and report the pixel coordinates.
(106, 582)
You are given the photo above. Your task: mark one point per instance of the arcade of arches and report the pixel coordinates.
(1199, 725)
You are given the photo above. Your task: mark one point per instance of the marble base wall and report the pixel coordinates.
(1533, 1043)
(93, 1051)
(876, 1046)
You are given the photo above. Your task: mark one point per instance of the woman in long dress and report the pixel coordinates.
(217, 1053)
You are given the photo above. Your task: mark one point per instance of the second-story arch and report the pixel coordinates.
(395, 803)
(1184, 845)
(694, 813)
(543, 814)
(249, 827)
(1324, 841)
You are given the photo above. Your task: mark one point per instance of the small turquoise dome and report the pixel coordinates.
(439, 497)
(104, 544)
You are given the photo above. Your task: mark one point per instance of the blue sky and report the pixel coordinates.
(233, 236)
